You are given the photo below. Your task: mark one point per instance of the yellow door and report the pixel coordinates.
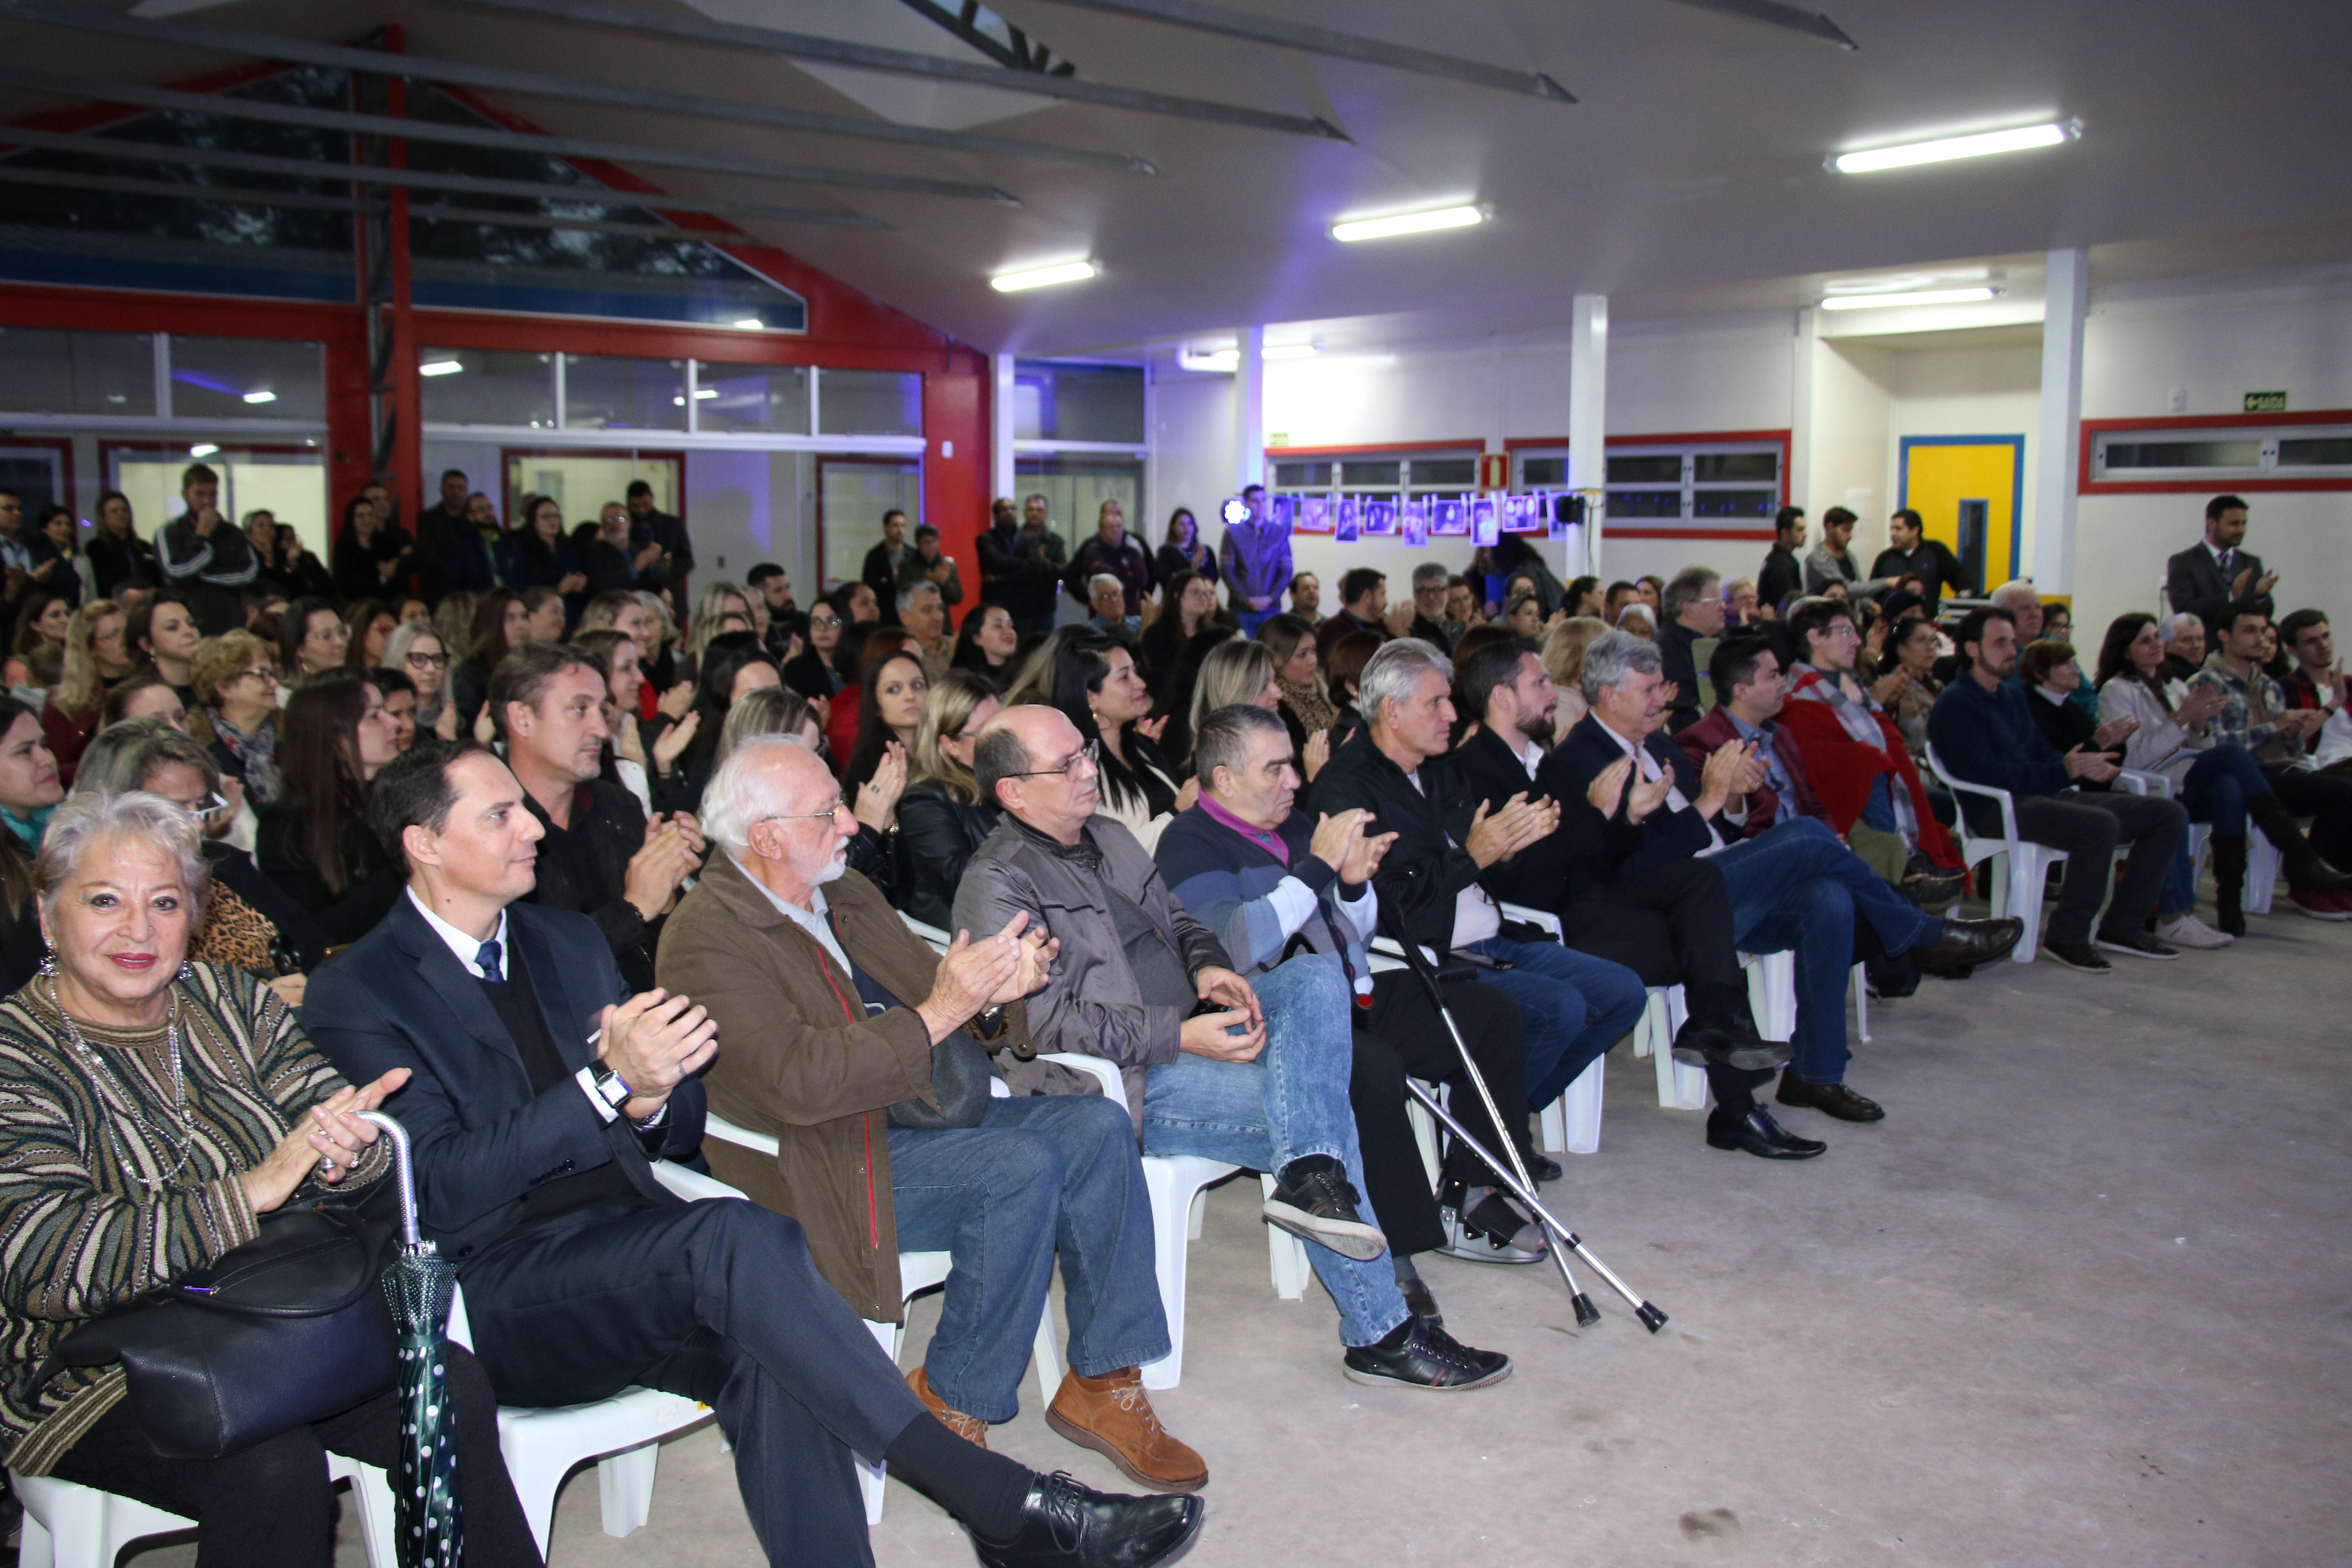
(1969, 491)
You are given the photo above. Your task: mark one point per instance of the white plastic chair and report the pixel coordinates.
(621, 1433)
(1573, 1123)
(68, 1525)
(918, 1272)
(2020, 867)
(1178, 1184)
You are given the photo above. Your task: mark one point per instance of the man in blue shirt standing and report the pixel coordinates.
(1984, 733)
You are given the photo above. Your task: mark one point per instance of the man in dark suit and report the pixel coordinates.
(661, 552)
(540, 1092)
(2206, 579)
(1670, 925)
(1793, 888)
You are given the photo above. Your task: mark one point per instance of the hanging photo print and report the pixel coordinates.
(1449, 517)
(1413, 519)
(1313, 515)
(1379, 518)
(1484, 527)
(1346, 519)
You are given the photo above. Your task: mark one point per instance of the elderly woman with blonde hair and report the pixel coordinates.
(1563, 658)
(157, 1111)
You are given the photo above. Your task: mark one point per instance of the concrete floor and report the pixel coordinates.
(2081, 1299)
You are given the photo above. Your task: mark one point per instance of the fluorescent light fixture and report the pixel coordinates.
(1228, 357)
(1945, 149)
(1408, 223)
(440, 367)
(261, 397)
(1920, 297)
(1043, 277)
(700, 393)
(1906, 283)
(1292, 351)
(751, 324)
(203, 449)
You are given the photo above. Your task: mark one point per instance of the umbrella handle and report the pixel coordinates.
(404, 1177)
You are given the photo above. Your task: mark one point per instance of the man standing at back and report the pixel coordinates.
(1255, 559)
(884, 561)
(540, 1094)
(1113, 552)
(1831, 561)
(1782, 578)
(2210, 579)
(206, 556)
(1910, 552)
(659, 548)
(452, 556)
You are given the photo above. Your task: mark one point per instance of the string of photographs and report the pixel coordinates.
(1416, 520)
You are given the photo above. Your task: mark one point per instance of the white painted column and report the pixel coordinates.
(2057, 448)
(1000, 431)
(1588, 415)
(1802, 424)
(1249, 408)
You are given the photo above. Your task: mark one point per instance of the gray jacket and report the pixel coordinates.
(1091, 1006)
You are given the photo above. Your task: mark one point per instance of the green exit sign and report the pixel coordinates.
(2266, 403)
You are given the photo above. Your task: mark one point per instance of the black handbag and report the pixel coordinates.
(289, 1328)
(961, 1074)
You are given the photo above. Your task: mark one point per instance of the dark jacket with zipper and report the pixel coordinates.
(938, 836)
(1426, 868)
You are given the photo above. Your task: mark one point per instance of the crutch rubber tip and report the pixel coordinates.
(1652, 1318)
(1587, 1314)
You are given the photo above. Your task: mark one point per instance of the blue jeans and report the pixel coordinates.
(1291, 1101)
(1573, 1007)
(1041, 1175)
(2220, 783)
(1797, 887)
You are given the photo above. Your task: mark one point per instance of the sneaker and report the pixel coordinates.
(1474, 1243)
(1314, 1201)
(1421, 1300)
(2139, 946)
(2079, 955)
(2320, 906)
(2188, 931)
(1417, 1354)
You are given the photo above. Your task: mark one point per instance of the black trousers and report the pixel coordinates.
(718, 1301)
(2089, 827)
(2327, 799)
(270, 1507)
(1400, 1036)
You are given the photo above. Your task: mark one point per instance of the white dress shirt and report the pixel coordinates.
(1651, 772)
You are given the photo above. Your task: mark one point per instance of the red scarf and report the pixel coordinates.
(1843, 769)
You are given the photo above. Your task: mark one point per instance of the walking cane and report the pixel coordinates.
(1514, 1178)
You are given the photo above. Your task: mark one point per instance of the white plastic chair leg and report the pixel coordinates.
(625, 1487)
(1286, 1254)
(1861, 1004)
(2262, 872)
(1680, 1088)
(1577, 1113)
(371, 1499)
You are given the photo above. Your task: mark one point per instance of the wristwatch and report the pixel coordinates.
(989, 1021)
(611, 1087)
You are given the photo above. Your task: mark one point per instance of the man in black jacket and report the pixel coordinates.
(452, 556)
(1692, 610)
(540, 1093)
(600, 856)
(1670, 925)
(660, 548)
(2209, 580)
(882, 563)
(1783, 576)
(1021, 580)
(1575, 1006)
(206, 556)
(1793, 887)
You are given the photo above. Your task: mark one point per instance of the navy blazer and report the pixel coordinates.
(481, 1140)
(1630, 848)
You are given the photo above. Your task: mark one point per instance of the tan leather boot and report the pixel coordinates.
(971, 1428)
(1113, 1415)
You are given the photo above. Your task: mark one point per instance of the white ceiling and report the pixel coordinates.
(1688, 179)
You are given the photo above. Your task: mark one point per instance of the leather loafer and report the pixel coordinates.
(1966, 943)
(1065, 1525)
(1757, 1133)
(1732, 1043)
(1830, 1098)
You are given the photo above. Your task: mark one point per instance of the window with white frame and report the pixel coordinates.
(2222, 452)
(1673, 481)
(1378, 474)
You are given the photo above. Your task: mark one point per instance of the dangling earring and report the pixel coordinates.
(49, 964)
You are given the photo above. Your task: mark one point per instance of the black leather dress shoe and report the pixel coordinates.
(1542, 1168)
(1063, 1523)
(1727, 1041)
(1757, 1133)
(1420, 1354)
(1830, 1098)
(1968, 943)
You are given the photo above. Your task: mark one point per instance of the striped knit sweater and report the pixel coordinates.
(78, 1236)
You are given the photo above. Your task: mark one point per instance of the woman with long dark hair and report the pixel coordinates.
(370, 551)
(1098, 689)
(502, 623)
(315, 841)
(1183, 552)
(368, 626)
(29, 793)
(818, 672)
(889, 710)
(37, 656)
(119, 558)
(536, 555)
(163, 631)
(843, 724)
(54, 545)
(987, 643)
(311, 638)
(733, 666)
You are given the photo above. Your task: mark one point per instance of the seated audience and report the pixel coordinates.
(368, 626)
(924, 615)
(1861, 775)
(1106, 598)
(1563, 657)
(820, 671)
(1793, 889)
(142, 694)
(987, 643)
(599, 855)
(399, 705)
(2184, 646)
(248, 923)
(91, 1153)
(1307, 597)
(772, 711)
(29, 793)
(1913, 646)
(314, 840)
(1693, 607)
(942, 816)
(311, 638)
(1236, 674)
(681, 768)
(95, 659)
(1253, 868)
(1574, 1007)
(1741, 610)
(869, 1098)
(40, 639)
(536, 553)
(2315, 679)
(1257, 1080)
(585, 1281)
(843, 717)
(545, 613)
(416, 651)
(889, 707)
(1636, 620)
(163, 631)
(1984, 733)
(1363, 607)
(1097, 687)
(2254, 713)
(236, 681)
(1308, 712)
(1582, 598)
(1523, 616)
(1343, 668)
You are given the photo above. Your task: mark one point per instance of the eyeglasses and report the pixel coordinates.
(825, 623)
(1088, 756)
(430, 660)
(269, 673)
(210, 806)
(827, 815)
